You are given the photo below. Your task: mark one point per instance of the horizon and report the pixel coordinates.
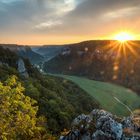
(38, 22)
(36, 45)
(69, 69)
(33, 45)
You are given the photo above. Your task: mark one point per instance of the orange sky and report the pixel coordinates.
(38, 22)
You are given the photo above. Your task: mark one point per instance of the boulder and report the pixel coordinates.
(102, 125)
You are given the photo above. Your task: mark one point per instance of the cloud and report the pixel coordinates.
(48, 24)
(65, 17)
(25, 14)
(123, 13)
(90, 16)
(9, 1)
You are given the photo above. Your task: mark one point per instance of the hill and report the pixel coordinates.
(58, 101)
(115, 99)
(108, 61)
(25, 52)
(45, 49)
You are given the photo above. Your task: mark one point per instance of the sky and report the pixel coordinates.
(35, 22)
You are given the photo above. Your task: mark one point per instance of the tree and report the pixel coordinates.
(18, 113)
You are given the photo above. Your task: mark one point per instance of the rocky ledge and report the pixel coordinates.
(102, 125)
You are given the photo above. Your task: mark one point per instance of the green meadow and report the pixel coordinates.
(116, 99)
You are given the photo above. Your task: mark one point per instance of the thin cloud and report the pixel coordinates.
(48, 24)
(123, 13)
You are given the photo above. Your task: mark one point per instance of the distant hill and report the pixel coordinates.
(24, 51)
(48, 51)
(100, 60)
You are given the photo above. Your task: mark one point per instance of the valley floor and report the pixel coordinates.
(116, 99)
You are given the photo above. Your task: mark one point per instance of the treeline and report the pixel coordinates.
(8, 57)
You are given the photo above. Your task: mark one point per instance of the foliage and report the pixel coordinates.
(18, 113)
(8, 57)
(106, 94)
(100, 61)
(58, 100)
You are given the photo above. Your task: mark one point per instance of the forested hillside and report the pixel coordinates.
(25, 52)
(108, 61)
(57, 100)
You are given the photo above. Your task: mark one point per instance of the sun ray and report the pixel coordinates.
(124, 36)
(132, 50)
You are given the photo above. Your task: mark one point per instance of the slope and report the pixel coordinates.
(103, 61)
(113, 98)
(58, 101)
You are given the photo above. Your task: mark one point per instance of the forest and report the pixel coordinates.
(41, 106)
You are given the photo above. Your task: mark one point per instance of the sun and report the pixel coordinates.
(124, 44)
(124, 36)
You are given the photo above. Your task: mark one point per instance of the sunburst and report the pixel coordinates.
(124, 44)
(124, 36)
(122, 49)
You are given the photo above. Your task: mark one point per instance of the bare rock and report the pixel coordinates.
(22, 69)
(102, 125)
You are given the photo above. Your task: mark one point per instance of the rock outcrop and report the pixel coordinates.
(22, 69)
(102, 125)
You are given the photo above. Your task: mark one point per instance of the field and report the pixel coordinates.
(116, 99)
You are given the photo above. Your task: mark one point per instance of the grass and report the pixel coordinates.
(113, 98)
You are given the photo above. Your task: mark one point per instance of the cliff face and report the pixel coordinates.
(102, 125)
(11, 59)
(21, 68)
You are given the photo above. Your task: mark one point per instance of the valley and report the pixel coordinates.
(105, 61)
(69, 70)
(100, 71)
(109, 96)
(68, 80)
